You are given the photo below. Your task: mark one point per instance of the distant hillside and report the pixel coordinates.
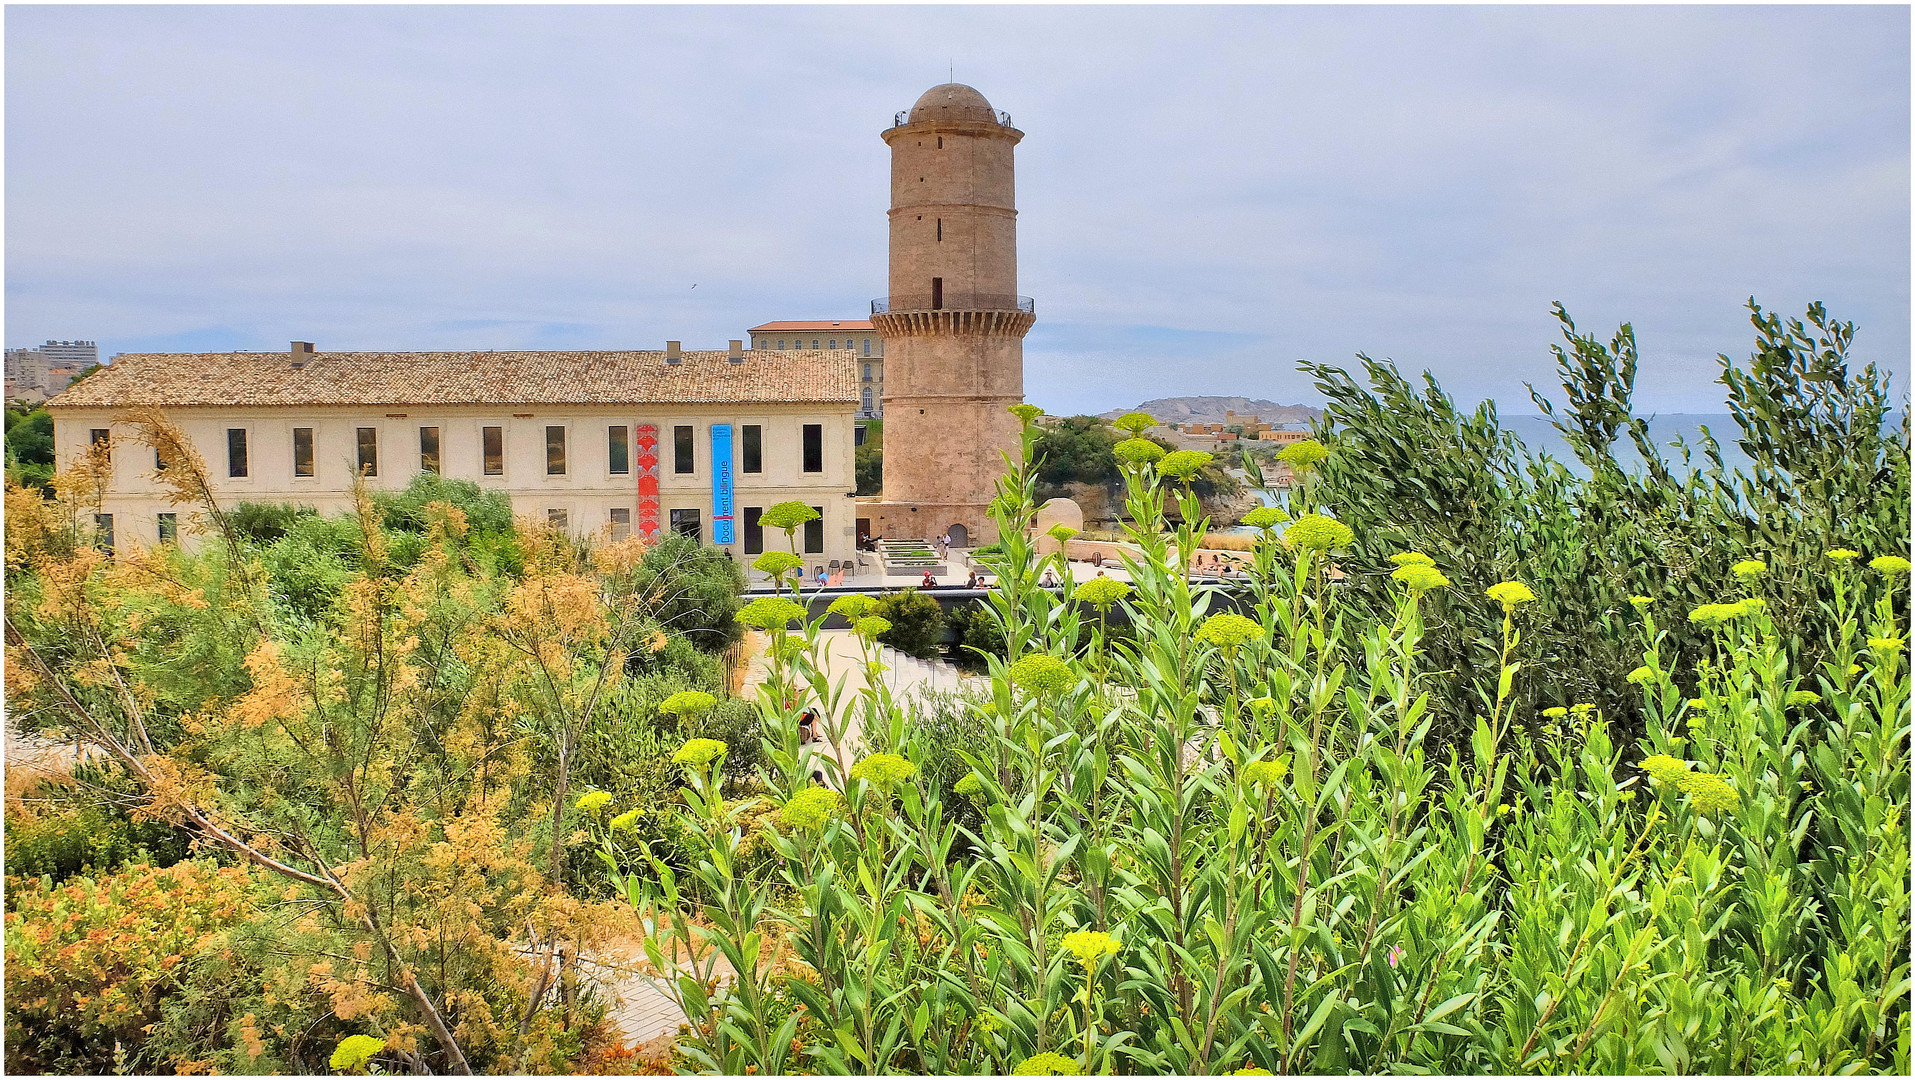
(1210, 410)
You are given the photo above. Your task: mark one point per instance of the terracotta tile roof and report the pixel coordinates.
(466, 378)
(840, 325)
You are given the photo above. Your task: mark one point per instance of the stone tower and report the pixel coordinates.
(953, 324)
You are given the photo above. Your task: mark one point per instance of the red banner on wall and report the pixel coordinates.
(648, 482)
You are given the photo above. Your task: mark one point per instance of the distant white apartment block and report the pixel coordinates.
(34, 375)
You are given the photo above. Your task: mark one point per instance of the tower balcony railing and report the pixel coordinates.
(904, 117)
(885, 305)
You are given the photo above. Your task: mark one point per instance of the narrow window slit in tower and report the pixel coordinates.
(937, 294)
(940, 142)
(940, 230)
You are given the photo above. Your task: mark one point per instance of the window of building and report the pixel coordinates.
(557, 519)
(857, 435)
(235, 451)
(103, 527)
(754, 449)
(302, 451)
(169, 528)
(368, 451)
(686, 523)
(814, 343)
(429, 449)
(814, 448)
(937, 294)
(781, 343)
(621, 522)
(867, 352)
(867, 372)
(833, 343)
(494, 440)
(100, 436)
(754, 532)
(618, 453)
(159, 462)
(815, 533)
(555, 450)
(940, 230)
(866, 399)
(682, 448)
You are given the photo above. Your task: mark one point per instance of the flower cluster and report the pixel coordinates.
(699, 753)
(1719, 614)
(354, 1051)
(810, 808)
(1707, 792)
(1039, 673)
(771, 613)
(1844, 555)
(625, 822)
(1509, 594)
(1302, 454)
(1556, 712)
(1090, 946)
(1419, 578)
(852, 607)
(1802, 697)
(871, 627)
(1061, 532)
(1267, 773)
(787, 515)
(1265, 518)
(1134, 423)
(1412, 558)
(1749, 569)
(1891, 565)
(1102, 592)
(970, 787)
(1229, 631)
(1642, 676)
(777, 563)
(1663, 769)
(1314, 532)
(1184, 464)
(1047, 1064)
(883, 770)
(1026, 412)
(1137, 451)
(687, 703)
(593, 801)
(1640, 602)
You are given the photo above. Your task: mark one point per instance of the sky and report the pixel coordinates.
(1206, 195)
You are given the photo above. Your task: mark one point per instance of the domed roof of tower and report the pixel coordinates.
(952, 101)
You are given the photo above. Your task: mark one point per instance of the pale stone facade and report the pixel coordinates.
(856, 335)
(953, 323)
(572, 462)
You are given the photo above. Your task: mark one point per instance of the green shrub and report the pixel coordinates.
(88, 839)
(1076, 449)
(699, 589)
(917, 622)
(978, 635)
(486, 510)
(264, 523)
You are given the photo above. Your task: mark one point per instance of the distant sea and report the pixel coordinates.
(1537, 434)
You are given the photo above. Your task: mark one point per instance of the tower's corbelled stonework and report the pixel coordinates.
(953, 324)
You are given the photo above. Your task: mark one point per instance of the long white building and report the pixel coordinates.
(699, 442)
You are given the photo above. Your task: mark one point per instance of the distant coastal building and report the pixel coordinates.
(695, 442)
(857, 335)
(37, 374)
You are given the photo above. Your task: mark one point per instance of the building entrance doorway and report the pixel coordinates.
(864, 533)
(959, 537)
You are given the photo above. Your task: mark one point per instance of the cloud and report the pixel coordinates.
(1205, 194)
